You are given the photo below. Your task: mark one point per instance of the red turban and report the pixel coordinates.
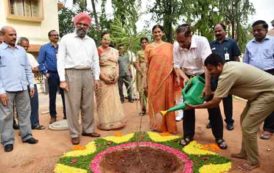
(82, 17)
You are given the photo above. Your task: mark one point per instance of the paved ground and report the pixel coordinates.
(41, 158)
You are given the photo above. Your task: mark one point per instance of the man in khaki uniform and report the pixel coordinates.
(252, 84)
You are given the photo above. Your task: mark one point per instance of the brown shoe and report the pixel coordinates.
(52, 120)
(94, 134)
(75, 141)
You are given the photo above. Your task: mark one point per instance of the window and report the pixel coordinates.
(30, 10)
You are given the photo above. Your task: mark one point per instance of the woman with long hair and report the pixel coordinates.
(110, 111)
(160, 81)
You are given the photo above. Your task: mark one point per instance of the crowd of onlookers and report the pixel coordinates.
(80, 72)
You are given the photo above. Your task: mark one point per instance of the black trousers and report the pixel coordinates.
(228, 109)
(54, 82)
(215, 118)
(227, 103)
(269, 121)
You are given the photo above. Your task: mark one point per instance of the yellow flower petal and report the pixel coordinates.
(218, 168)
(197, 149)
(89, 149)
(157, 137)
(60, 168)
(119, 139)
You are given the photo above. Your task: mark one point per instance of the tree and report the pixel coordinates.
(121, 35)
(235, 13)
(65, 19)
(127, 14)
(202, 14)
(169, 12)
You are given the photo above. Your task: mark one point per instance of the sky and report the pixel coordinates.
(264, 11)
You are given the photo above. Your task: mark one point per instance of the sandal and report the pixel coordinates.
(266, 135)
(221, 144)
(185, 141)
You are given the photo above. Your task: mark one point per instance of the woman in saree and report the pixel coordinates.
(160, 82)
(110, 111)
(141, 77)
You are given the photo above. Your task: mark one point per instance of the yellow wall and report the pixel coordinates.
(35, 31)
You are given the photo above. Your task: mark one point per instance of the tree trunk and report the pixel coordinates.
(167, 21)
(94, 13)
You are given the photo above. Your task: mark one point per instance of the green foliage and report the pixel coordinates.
(202, 14)
(169, 13)
(235, 13)
(65, 21)
(125, 35)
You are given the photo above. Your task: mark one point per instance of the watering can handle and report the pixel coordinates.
(187, 86)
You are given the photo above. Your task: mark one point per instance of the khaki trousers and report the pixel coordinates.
(80, 97)
(253, 115)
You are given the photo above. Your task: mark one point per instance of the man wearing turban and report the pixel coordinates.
(78, 68)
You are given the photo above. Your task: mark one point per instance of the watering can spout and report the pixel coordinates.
(191, 93)
(181, 106)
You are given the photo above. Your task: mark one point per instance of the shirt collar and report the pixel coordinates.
(5, 46)
(53, 45)
(193, 44)
(226, 39)
(265, 39)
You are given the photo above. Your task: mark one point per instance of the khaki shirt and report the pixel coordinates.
(245, 81)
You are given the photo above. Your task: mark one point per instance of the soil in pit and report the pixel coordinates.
(141, 160)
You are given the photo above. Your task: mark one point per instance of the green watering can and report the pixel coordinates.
(192, 94)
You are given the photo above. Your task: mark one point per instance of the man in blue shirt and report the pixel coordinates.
(48, 66)
(228, 49)
(15, 76)
(260, 53)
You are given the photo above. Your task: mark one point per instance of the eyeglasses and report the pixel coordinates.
(54, 35)
(82, 25)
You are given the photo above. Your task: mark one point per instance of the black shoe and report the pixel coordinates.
(38, 127)
(208, 126)
(15, 126)
(8, 148)
(229, 126)
(31, 141)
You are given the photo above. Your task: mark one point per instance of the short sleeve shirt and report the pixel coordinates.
(243, 80)
(227, 46)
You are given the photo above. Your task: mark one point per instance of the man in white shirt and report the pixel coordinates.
(34, 101)
(78, 69)
(190, 52)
